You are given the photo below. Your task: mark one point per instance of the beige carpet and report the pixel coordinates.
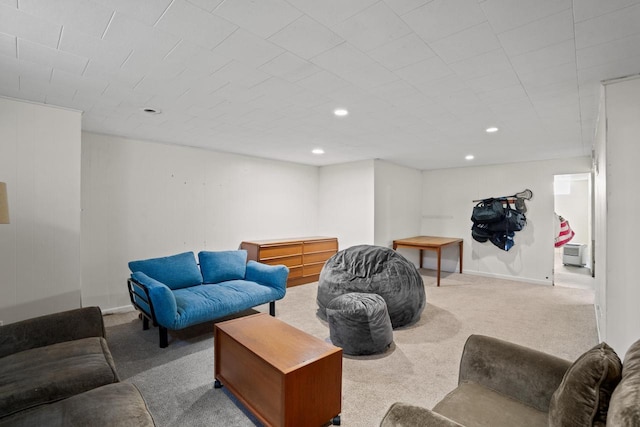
(420, 367)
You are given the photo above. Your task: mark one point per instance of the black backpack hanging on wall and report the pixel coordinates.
(488, 211)
(503, 240)
(481, 232)
(494, 222)
(513, 220)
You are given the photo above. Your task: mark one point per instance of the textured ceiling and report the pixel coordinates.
(421, 79)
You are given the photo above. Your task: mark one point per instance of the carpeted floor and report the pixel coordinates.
(420, 367)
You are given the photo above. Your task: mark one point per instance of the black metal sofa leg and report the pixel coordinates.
(145, 323)
(164, 339)
(272, 308)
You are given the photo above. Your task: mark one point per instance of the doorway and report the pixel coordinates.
(572, 203)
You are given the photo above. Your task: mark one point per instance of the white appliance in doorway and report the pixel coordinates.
(574, 254)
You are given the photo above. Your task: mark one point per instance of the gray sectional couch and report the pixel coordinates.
(504, 384)
(57, 370)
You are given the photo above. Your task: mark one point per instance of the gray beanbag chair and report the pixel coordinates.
(359, 323)
(376, 270)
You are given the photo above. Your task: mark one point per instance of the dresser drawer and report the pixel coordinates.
(317, 257)
(295, 272)
(280, 251)
(289, 261)
(312, 269)
(320, 246)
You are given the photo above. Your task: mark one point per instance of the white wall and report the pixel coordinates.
(346, 203)
(398, 192)
(143, 199)
(447, 205)
(622, 205)
(40, 249)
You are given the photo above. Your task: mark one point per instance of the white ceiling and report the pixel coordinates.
(421, 79)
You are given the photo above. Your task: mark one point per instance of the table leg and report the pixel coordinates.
(439, 258)
(461, 257)
(420, 258)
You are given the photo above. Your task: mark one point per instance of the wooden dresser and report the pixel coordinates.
(304, 256)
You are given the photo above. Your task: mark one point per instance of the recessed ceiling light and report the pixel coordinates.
(150, 110)
(340, 112)
(492, 129)
(469, 157)
(317, 151)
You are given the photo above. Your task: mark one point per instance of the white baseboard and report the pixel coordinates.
(114, 310)
(506, 277)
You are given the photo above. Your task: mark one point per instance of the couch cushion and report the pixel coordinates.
(208, 302)
(118, 404)
(221, 266)
(624, 407)
(175, 271)
(47, 374)
(50, 329)
(471, 404)
(405, 415)
(582, 399)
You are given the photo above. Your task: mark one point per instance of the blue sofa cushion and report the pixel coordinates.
(223, 265)
(204, 303)
(176, 271)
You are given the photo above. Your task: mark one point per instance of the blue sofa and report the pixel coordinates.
(174, 293)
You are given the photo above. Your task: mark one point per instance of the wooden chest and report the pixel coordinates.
(284, 376)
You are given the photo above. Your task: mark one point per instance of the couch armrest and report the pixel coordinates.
(161, 300)
(405, 415)
(521, 373)
(274, 276)
(51, 329)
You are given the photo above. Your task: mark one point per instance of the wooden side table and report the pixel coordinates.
(430, 243)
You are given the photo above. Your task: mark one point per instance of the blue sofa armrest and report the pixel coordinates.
(274, 276)
(162, 303)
